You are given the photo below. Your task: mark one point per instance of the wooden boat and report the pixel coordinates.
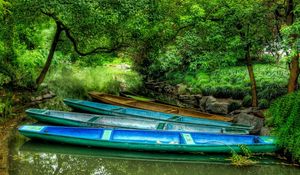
(101, 108)
(134, 103)
(134, 96)
(149, 140)
(129, 122)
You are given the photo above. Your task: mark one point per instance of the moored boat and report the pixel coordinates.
(130, 122)
(148, 105)
(101, 108)
(149, 140)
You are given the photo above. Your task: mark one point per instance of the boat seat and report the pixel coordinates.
(93, 119)
(172, 111)
(175, 118)
(187, 138)
(161, 126)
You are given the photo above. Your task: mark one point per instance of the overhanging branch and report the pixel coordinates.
(64, 28)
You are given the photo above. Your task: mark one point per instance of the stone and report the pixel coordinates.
(39, 98)
(251, 120)
(47, 96)
(218, 107)
(189, 99)
(181, 88)
(265, 131)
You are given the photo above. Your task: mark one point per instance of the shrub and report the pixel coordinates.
(247, 101)
(284, 117)
(75, 81)
(263, 104)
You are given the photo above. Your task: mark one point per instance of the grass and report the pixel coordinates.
(74, 82)
(233, 82)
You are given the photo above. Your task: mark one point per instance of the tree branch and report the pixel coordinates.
(74, 42)
(94, 51)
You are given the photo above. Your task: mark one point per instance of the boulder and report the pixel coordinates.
(265, 131)
(191, 100)
(218, 107)
(249, 119)
(206, 100)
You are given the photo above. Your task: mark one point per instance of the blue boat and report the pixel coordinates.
(149, 140)
(101, 108)
(129, 122)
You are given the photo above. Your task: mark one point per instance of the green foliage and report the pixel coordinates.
(233, 82)
(247, 101)
(234, 106)
(263, 104)
(75, 82)
(242, 159)
(5, 108)
(284, 117)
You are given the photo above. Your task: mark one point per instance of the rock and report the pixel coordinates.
(218, 107)
(265, 131)
(189, 99)
(206, 100)
(39, 98)
(249, 119)
(181, 88)
(47, 96)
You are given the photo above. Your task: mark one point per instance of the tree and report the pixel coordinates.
(91, 26)
(293, 35)
(246, 28)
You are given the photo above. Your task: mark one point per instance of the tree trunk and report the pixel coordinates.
(252, 77)
(43, 73)
(9, 54)
(294, 65)
(294, 74)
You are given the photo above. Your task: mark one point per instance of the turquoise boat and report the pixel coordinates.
(149, 140)
(129, 122)
(106, 109)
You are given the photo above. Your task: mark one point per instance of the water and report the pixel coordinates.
(42, 158)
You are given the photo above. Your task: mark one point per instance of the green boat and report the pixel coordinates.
(129, 122)
(150, 140)
(106, 109)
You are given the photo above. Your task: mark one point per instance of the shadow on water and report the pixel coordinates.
(32, 157)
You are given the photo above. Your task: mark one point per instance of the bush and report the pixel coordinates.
(263, 104)
(284, 117)
(247, 101)
(75, 81)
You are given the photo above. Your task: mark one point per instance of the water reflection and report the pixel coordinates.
(47, 158)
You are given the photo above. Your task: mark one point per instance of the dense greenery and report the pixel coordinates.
(239, 49)
(284, 117)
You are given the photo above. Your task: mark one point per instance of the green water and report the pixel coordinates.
(42, 158)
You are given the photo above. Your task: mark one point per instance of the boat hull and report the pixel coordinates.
(134, 103)
(150, 140)
(90, 120)
(106, 109)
